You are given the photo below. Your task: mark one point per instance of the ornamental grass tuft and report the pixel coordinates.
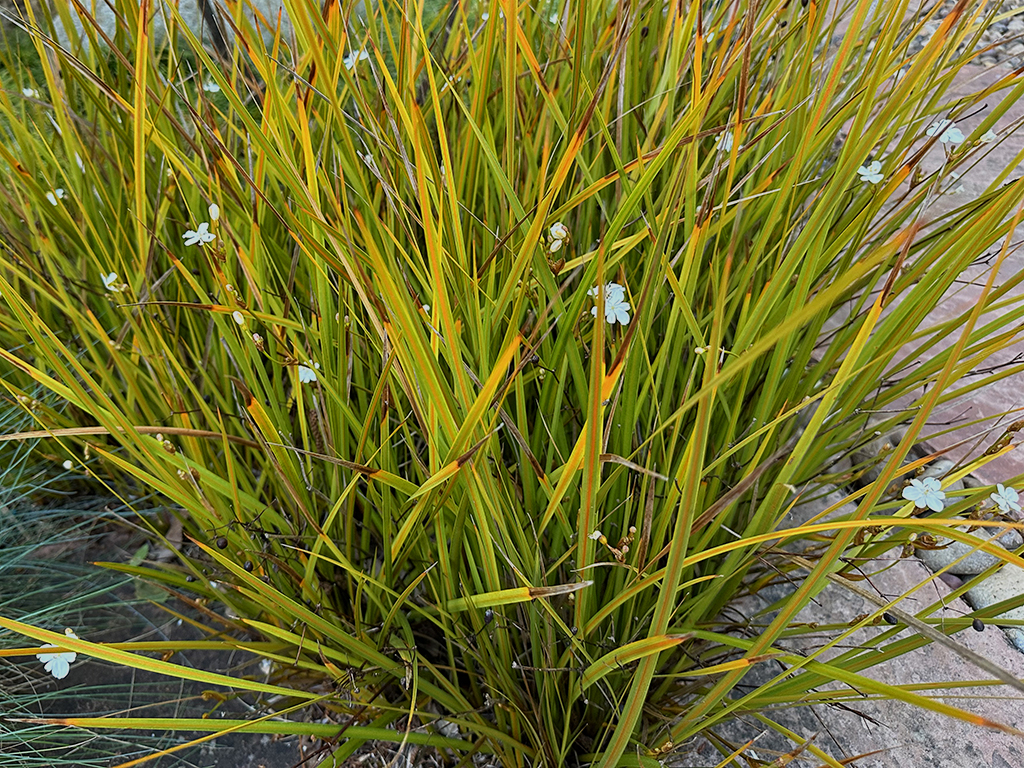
(335, 299)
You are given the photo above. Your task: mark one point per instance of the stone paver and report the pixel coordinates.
(879, 733)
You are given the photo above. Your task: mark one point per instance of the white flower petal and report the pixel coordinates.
(307, 372)
(110, 282)
(925, 493)
(616, 308)
(200, 235)
(354, 58)
(58, 663)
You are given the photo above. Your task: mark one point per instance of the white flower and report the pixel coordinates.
(307, 372)
(58, 664)
(369, 162)
(110, 282)
(354, 58)
(199, 236)
(211, 87)
(451, 83)
(68, 465)
(1006, 498)
(596, 535)
(724, 142)
(214, 211)
(559, 236)
(55, 195)
(947, 132)
(871, 173)
(925, 493)
(616, 308)
(31, 93)
(239, 317)
(988, 137)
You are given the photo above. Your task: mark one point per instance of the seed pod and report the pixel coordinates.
(488, 616)
(222, 543)
(889, 618)
(248, 566)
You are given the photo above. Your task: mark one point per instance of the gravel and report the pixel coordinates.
(1001, 44)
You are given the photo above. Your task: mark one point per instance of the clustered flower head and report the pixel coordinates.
(200, 235)
(307, 372)
(616, 308)
(559, 236)
(871, 173)
(1006, 499)
(58, 663)
(926, 494)
(947, 132)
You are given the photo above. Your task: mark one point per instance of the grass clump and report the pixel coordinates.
(352, 318)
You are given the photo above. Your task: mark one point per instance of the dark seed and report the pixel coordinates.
(190, 578)
(979, 625)
(488, 616)
(222, 543)
(644, 31)
(889, 618)
(248, 566)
